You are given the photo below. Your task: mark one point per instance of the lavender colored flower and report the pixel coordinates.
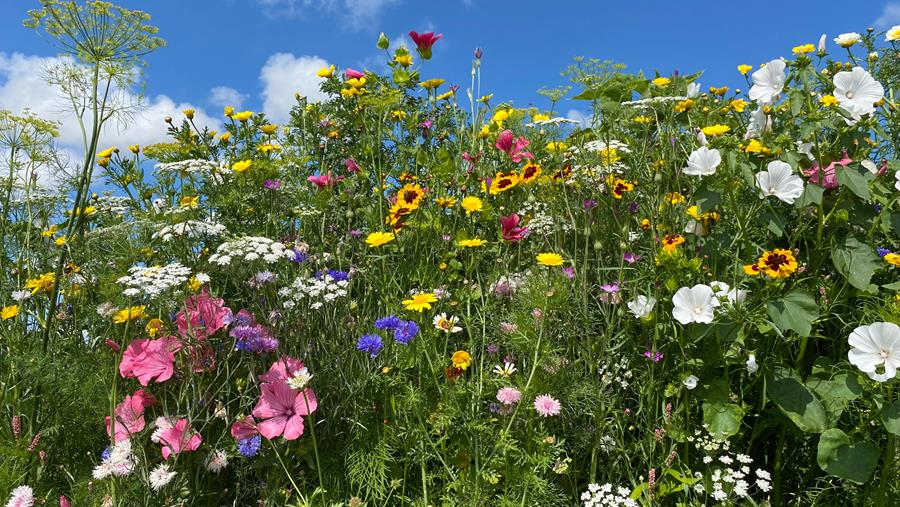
(406, 332)
(569, 272)
(299, 256)
(493, 348)
(633, 207)
(610, 288)
(631, 257)
(389, 322)
(355, 233)
(255, 339)
(105, 454)
(654, 356)
(589, 204)
(425, 125)
(370, 343)
(249, 447)
(272, 184)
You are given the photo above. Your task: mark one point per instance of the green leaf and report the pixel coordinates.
(857, 261)
(841, 457)
(707, 199)
(797, 402)
(835, 393)
(795, 311)
(722, 419)
(812, 194)
(857, 179)
(774, 221)
(890, 417)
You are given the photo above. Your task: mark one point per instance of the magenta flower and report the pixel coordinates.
(353, 74)
(654, 356)
(282, 370)
(569, 272)
(130, 414)
(547, 406)
(149, 360)
(351, 165)
(425, 125)
(472, 160)
(610, 288)
(179, 438)
(272, 184)
(244, 427)
(511, 230)
(631, 257)
(424, 42)
(281, 410)
(513, 146)
(829, 174)
(324, 180)
(203, 316)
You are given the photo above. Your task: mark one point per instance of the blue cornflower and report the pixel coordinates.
(406, 332)
(299, 257)
(105, 454)
(370, 343)
(338, 276)
(882, 251)
(249, 447)
(389, 322)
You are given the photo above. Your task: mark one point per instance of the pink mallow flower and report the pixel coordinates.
(203, 316)
(353, 74)
(513, 146)
(323, 181)
(282, 370)
(829, 174)
(547, 406)
(244, 427)
(511, 230)
(130, 415)
(147, 360)
(179, 438)
(281, 410)
(351, 165)
(424, 42)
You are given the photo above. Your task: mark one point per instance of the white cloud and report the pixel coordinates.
(282, 76)
(889, 16)
(222, 96)
(358, 14)
(581, 117)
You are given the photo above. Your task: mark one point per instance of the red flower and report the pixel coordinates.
(424, 42)
(512, 146)
(511, 230)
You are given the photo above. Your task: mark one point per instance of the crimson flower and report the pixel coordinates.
(424, 42)
(513, 146)
(511, 230)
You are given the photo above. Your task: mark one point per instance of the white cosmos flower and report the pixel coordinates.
(876, 347)
(897, 175)
(693, 90)
(642, 306)
(768, 82)
(857, 92)
(779, 180)
(690, 382)
(694, 304)
(703, 162)
(845, 40)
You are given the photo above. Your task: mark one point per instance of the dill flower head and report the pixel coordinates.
(132, 312)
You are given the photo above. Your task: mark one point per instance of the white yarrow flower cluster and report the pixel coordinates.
(250, 248)
(161, 476)
(189, 228)
(120, 462)
(154, 280)
(317, 291)
(604, 495)
(187, 167)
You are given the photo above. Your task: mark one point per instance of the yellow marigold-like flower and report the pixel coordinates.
(738, 105)
(135, 148)
(420, 301)
(269, 128)
(828, 100)
(661, 82)
(777, 263)
(721, 90)
(643, 120)
(556, 146)
(132, 312)
(503, 182)
(50, 231)
(445, 95)
(241, 166)
(42, 283)
(803, 49)
(60, 241)
(684, 105)
(410, 195)
(189, 201)
(756, 146)
(674, 198)
(744, 68)
(404, 59)
(107, 153)
(154, 327)
(540, 117)
(892, 259)
(398, 115)
(472, 204)
(671, 241)
(461, 359)
(325, 72)
(445, 202)
(471, 243)
(431, 84)
(268, 148)
(530, 172)
(716, 130)
(228, 111)
(356, 82)
(189, 113)
(376, 239)
(499, 117)
(225, 137)
(8, 312)
(242, 116)
(550, 259)
(350, 92)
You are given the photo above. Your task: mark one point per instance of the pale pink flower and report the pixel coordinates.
(23, 496)
(547, 406)
(147, 360)
(281, 410)
(244, 427)
(203, 316)
(282, 370)
(509, 395)
(130, 414)
(179, 438)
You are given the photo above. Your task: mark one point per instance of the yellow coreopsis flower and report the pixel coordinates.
(744, 68)
(461, 359)
(107, 153)
(376, 239)
(43, 283)
(326, 71)
(803, 49)
(661, 82)
(241, 166)
(445, 202)
(530, 172)
(828, 100)
(132, 312)
(420, 301)
(671, 241)
(503, 182)
(471, 243)
(8, 312)
(777, 263)
(154, 327)
(268, 128)
(549, 259)
(242, 116)
(716, 130)
(472, 204)
(431, 84)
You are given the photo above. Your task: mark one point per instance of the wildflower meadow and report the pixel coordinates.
(415, 294)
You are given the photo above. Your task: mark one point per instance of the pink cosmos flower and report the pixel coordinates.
(244, 427)
(829, 174)
(324, 180)
(353, 73)
(509, 395)
(147, 360)
(130, 414)
(513, 146)
(282, 370)
(547, 406)
(511, 230)
(424, 42)
(179, 438)
(203, 316)
(351, 165)
(281, 410)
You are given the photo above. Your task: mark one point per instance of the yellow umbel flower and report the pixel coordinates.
(420, 301)
(549, 259)
(132, 312)
(376, 239)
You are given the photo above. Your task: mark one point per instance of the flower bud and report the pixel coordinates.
(383, 41)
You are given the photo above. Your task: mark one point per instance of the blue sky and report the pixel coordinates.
(261, 51)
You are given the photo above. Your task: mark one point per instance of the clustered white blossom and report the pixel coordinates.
(187, 167)
(730, 474)
(539, 221)
(113, 204)
(603, 495)
(154, 280)
(616, 373)
(316, 291)
(217, 461)
(189, 228)
(161, 476)
(120, 462)
(552, 121)
(508, 285)
(653, 101)
(250, 248)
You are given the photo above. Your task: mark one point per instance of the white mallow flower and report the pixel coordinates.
(768, 82)
(779, 180)
(893, 34)
(690, 382)
(857, 92)
(161, 476)
(875, 348)
(642, 306)
(703, 162)
(821, 47)
(726, 294)
(695, 304)
(760, 123)
(693, 90)
(897, 176)
(752, 366)
(845, 40)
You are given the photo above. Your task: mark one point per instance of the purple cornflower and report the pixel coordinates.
(589, 204)
(299, 257)
(631, 257)
(249, 447)
(654, 356)
(389, 322)
(272, 184)
(255, 339)
(610, 288)
(633, 207)
(370, 343)
(882, 251)
(493, 348)
(406, 332)
(355, 233)
(569, 272)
